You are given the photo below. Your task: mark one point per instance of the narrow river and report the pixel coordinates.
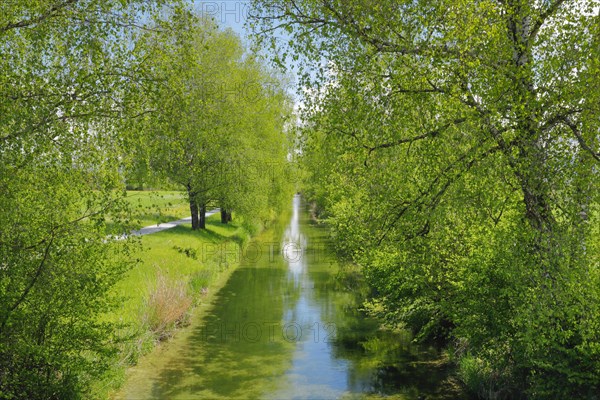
(283, 327)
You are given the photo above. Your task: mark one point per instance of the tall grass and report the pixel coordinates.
(167, 306)
(177, 270)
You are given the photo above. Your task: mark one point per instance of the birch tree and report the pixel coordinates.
(455, 148)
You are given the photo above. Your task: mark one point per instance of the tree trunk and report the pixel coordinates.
(193, 208)
(194, 212)
(225, 216)
(202, 217)
(531, 161)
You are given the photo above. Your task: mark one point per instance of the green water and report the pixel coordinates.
(283, 327)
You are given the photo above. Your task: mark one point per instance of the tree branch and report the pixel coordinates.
(430, 134)
(30, 285)
(567, 121)
(435, 200)
(542, 19)
(40, 18)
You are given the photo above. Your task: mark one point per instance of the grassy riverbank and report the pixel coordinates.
(177, 270)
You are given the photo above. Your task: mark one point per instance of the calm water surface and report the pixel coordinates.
(283, 327)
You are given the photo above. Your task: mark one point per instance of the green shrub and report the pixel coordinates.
(483, 379)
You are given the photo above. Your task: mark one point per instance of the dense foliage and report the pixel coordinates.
(63, 85)
(453, 146)
(218, 126)
(75, 77)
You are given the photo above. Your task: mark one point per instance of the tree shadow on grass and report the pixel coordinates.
(210, 234)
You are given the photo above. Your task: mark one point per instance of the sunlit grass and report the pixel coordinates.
(156, 207)
(193, 263)
(160, 252)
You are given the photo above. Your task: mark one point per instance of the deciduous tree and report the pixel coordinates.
(455, 147)
(68, 78)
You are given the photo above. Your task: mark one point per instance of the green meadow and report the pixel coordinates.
(154, 207)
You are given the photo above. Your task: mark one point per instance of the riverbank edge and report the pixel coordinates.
(195, 315)
(116, 377)
(206, 302)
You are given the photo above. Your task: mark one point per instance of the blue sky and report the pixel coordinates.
(227, 13)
